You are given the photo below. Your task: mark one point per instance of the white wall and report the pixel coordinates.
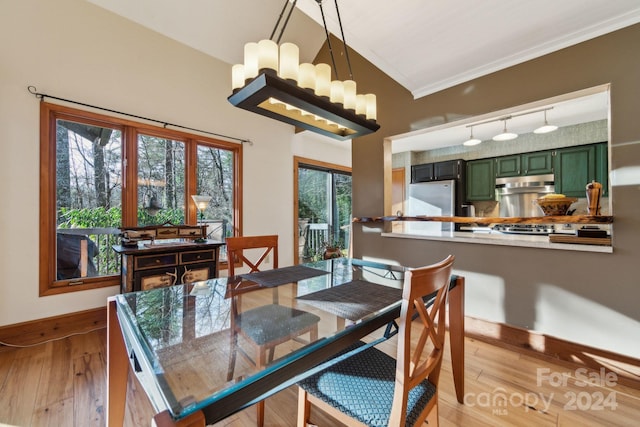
(75, 50)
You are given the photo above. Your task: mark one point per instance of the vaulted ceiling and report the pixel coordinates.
(425, 45)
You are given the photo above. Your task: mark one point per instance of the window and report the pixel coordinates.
(323, 207)
(100, 174)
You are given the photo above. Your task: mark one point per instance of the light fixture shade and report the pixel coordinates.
(250, 60)
(337, 92)
(201, 201)
(349, 94)
(256, 96)
(471, 141)
(289, 61)
(505, 135)
(237, 76)
(267, 55)
(307, 76)
(323, 80)
(371, 108)
(546, 128)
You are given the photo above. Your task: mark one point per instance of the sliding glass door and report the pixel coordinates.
(323, 209)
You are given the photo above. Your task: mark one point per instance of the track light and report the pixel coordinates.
(546, 128)
(505, 135)
(472, 141)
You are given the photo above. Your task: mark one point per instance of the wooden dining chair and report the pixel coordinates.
(372, 388)
(266, 326)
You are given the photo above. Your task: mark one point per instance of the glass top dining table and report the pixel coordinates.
(179, 340)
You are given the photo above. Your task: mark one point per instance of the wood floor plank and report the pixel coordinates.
(18, 393)
(90, 390)
(27, 392)
(55, 414)
(56, 381)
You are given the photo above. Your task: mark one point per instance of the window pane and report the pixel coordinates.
(324, 211)
(88, 199)
(214, 178)
(161, 180)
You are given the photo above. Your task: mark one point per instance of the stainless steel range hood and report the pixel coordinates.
(516, 195)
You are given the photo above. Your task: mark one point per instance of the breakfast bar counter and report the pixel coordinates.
(484, 235)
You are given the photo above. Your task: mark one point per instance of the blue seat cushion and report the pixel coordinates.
(362, 387)
(274, 322)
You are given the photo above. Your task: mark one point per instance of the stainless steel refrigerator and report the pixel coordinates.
(436, 198)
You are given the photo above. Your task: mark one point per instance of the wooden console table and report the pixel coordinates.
(159, 264)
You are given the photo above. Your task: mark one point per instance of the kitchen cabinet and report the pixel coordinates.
(575, 167)
(507, 166)
(450, 169)
(535, 163)
(481, 180)
(602, 166)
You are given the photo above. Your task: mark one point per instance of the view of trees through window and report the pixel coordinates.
(324, 210)
(89, 182)
(88, 197)
(161, 181)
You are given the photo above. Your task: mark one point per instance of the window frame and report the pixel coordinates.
(49, 114)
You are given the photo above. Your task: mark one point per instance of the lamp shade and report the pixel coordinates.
(201, 201)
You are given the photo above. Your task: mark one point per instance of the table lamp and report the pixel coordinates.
(201, 203)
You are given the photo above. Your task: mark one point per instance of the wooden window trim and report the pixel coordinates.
(49, 113)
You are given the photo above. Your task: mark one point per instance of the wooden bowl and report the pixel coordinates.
(555, 207)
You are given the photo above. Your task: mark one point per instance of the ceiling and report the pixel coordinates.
(425, 45)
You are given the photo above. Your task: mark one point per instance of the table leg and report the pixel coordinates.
(456, 336)
(117, 368)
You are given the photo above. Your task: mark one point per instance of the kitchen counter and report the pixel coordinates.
(483, 235)
(569, 219)
(485, 238)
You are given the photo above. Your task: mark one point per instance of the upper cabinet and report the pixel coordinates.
(575, 167)
(536, 163)
(451, 169)
(481, 180)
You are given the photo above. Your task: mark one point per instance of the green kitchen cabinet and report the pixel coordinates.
(602, 166)
(575, 167)
(508, 166)
(537, 163)
(481, 180)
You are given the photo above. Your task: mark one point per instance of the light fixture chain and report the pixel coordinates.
(326, 31)
(286, 22)
(344, 41)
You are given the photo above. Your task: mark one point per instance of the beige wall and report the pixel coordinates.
(75, 50)
(589, 298)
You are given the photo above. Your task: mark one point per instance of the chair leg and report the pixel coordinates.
(304, 408)
(260, 413)
(432, 418)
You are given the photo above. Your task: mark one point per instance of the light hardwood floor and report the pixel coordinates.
(62, 383)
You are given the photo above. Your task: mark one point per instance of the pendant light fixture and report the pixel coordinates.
(271, 82)
(471, 141)
(505, 135)
(546, 128)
